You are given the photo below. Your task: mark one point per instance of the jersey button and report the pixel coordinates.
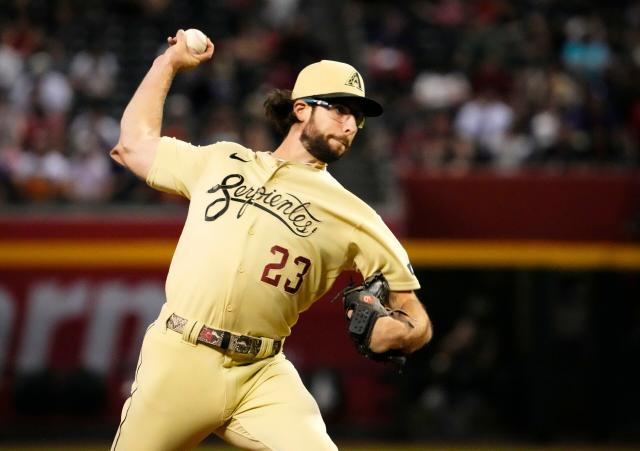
(229, 308)
(241, 269)
(251, 231)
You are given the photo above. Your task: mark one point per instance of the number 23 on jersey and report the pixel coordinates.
(272, 272)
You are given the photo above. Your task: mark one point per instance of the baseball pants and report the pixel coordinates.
(184, 392)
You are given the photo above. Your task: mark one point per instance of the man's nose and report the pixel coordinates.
(349, 124)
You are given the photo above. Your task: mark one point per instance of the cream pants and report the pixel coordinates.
(183, 392)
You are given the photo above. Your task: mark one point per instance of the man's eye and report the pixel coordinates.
(342, 110)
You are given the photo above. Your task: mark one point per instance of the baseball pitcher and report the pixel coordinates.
(266, 234)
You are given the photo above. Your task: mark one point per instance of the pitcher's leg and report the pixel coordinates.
(234, 434)
(143, 429)
(279, 414)
(173, 399)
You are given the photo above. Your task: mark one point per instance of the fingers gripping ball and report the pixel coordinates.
(363, 306)
(196, 41)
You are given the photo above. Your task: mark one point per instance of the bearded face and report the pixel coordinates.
(324, 147)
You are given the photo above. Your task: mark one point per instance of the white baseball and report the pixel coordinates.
(196, 40)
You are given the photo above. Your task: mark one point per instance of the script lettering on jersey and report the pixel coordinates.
(293, 212)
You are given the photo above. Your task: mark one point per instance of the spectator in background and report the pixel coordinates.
(552, 83)
(388, 55)
(93, 71)
(41, 173)
(55, 93)
(513, 148)
(435, 90)
(427, 142)
(585, 50)
(545, 131)
(537, 41)
(92, 134)
(439, 94)
(11, 126)
(21, 34)
(483, 121)
(44, 96)
(11, 63)
(11, 123)
(90, 178)
(436, 148)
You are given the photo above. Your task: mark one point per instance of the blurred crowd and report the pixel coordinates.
(467, 84)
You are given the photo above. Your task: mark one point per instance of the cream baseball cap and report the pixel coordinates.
(328, 79)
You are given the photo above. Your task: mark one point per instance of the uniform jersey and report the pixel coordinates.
(264, 238)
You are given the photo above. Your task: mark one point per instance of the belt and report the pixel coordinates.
(242, 344)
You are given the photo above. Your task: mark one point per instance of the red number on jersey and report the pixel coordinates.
(302, 262)
(283, 261)
(306, 264)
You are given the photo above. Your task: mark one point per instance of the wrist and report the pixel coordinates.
(397, 336)
(164, 62)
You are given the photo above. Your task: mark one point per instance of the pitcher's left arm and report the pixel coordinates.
(404, 333)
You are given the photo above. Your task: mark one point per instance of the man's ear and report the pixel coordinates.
(301, 110)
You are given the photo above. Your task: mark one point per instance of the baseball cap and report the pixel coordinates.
(328, 79)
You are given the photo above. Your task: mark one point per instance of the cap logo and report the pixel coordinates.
(355, 81)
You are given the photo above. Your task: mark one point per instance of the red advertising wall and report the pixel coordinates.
(536, 205)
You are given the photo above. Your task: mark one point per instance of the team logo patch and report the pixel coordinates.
(355, 81)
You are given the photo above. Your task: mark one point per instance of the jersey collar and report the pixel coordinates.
(320, 165)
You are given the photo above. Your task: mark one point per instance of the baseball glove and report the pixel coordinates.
(367, 303)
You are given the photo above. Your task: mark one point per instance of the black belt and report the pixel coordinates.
(242, 344)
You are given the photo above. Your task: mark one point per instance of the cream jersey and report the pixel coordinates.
(264, 238)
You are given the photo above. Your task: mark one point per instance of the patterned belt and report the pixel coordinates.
(242, 344)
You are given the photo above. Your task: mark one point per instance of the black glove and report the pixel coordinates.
(367, 303)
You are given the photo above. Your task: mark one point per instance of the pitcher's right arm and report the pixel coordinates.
(141, 121)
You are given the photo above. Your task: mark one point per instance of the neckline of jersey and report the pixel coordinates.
(317, 165)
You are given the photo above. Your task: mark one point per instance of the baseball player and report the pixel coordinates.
(266, 235)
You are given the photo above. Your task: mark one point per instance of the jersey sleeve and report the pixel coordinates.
(377, 249)
(178, 165)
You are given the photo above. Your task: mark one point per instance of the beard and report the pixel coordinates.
(319, 145)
